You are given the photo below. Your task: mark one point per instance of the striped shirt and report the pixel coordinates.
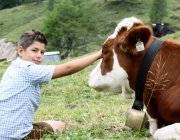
(20, 91)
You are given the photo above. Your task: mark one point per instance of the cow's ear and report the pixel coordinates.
(135, 35)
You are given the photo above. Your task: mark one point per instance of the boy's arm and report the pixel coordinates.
(75, 65)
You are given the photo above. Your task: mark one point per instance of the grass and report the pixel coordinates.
(89, 115)
(3, 66)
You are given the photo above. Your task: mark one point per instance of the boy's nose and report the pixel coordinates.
(39, 54)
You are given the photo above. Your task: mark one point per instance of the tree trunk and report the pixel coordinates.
(122, 2)
(38, 2)
(65, 55)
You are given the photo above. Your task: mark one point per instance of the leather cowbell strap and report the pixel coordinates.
(145, 65)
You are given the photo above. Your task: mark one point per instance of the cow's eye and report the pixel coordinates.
(104, 52)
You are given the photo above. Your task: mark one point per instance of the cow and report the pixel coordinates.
(159, 30)
(118, 71)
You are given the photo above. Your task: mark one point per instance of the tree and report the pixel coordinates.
(12, 3)
(69, 25)
(158, 11)
(8, 4)
(50, 5)
(38, 2)
(121, 1)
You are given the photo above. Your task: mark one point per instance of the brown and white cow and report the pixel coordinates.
(119, 67)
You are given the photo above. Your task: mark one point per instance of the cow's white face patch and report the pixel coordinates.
(114, 81)
(127, 22)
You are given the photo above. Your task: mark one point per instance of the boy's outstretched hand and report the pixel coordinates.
(75, 65)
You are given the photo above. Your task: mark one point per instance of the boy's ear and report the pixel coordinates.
(20, 50)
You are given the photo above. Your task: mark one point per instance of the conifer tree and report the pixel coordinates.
(158, 11)
(69, 25)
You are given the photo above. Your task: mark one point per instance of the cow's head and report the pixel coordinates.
(117, 71)
(158, 29)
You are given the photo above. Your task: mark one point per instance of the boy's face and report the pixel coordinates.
(34, 53)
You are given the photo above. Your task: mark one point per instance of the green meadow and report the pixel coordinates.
(89, 115)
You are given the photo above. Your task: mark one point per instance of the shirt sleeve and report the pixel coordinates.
(40, 73)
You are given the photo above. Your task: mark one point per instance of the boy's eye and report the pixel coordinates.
(34, 50)
(42, 52)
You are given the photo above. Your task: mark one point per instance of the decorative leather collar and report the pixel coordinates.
(145, 65)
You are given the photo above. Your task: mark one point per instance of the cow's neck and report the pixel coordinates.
(135, 62)
(144, 68)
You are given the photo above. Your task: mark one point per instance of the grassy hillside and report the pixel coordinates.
(16, 20)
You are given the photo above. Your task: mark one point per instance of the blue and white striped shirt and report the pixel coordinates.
(20, 91)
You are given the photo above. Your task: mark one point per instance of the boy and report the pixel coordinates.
(20, 88)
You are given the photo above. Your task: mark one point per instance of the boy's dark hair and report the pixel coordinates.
(30, 37)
